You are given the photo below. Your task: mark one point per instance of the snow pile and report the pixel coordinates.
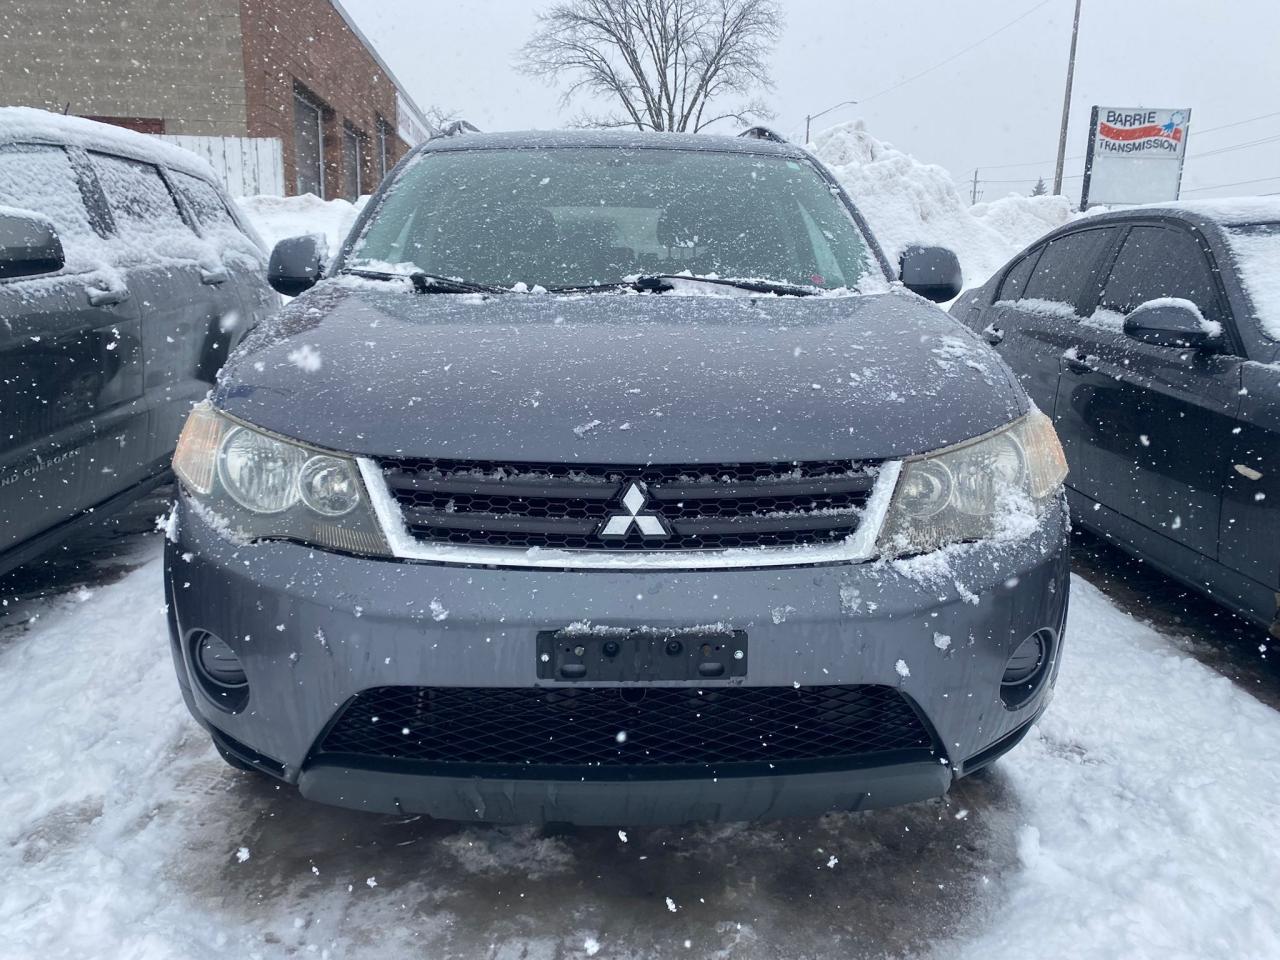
(906, 201)
(1020, 220)
(277, 218)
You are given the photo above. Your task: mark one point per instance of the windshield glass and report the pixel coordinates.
(566, 217)
(1257, 250)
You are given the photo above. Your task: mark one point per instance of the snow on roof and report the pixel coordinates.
(1226, 210)
(28, 124)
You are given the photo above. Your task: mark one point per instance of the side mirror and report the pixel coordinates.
(29, 245)
(1172, 322)
(297, 264)
(932, 272)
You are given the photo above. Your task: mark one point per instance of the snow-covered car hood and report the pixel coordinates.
(372, 368)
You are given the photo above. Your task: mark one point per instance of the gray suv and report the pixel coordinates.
(126, 276)
(615, 478)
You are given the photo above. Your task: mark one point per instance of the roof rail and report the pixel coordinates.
(760, 132)
(455, 128)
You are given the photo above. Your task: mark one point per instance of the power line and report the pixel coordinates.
(957, 55)
(1238, 123)
(1234, 183)
(1231, 149)
(1072, 176)
(1029, 163)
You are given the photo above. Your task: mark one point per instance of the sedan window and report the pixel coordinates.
(1159, 262)
(1065, 272)
(1015, 281)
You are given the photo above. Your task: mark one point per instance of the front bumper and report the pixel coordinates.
(313, 629)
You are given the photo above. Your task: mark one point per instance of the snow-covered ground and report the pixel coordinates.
(1140, 819)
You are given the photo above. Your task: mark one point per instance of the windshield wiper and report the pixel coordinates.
(428, 282)
(662, 282)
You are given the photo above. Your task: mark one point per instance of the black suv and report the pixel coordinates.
(125, 278)
(1151, 337)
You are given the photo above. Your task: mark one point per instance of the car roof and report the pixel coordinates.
(1206, 214)
(28, 125)
(1228, 211)
(620, 139)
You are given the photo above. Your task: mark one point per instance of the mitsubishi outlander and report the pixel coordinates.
(615, 478)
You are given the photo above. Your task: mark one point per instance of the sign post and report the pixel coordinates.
(1135, 155)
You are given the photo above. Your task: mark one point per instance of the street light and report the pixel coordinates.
(809, 118)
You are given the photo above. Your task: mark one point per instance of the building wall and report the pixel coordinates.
(178, 62)
(307, 42)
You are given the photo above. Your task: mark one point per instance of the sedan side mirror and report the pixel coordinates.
(932, 272)
(297, 264)
(1172, 322)
(29, 245)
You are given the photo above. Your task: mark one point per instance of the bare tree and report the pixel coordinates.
(668, 64)
(439, 117)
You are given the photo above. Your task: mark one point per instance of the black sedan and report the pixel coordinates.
(1152, 337)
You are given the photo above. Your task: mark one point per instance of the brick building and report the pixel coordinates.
(299, 71)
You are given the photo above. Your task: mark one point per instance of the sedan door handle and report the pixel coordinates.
(993, 334)
(213, 277)
(106, 296)
(1077, 363)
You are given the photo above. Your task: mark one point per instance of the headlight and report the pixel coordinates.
(262, 487)
(975, 490)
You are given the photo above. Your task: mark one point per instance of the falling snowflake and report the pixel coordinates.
(306, 358)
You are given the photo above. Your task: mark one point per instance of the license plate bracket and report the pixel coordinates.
(577, 656)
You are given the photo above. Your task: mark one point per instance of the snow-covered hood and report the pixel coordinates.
(372, 368)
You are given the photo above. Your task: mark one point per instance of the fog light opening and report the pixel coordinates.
(219, 672)
(1025, 671)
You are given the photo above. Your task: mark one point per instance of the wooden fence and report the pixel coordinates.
(247, 165)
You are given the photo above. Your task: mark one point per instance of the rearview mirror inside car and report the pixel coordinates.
(932, 272)
(29, 245)
(1172, 322)
(297, 264)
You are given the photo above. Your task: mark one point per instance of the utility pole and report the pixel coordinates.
(810, 117)
(973, 197)
(1066, 105)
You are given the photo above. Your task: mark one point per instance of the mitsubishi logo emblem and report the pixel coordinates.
(650, 525)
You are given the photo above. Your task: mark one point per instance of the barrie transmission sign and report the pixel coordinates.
(1135, 155)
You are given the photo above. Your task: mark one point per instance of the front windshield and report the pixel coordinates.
(583, 216)
(1257, 250)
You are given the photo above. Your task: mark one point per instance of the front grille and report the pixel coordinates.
(626, 727)
(702, 507)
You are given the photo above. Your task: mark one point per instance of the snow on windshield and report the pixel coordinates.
(1257, 251)
(568, 216)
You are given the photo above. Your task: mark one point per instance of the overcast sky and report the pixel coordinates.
(999, 103)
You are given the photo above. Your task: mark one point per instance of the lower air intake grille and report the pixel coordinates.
(580, 727)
